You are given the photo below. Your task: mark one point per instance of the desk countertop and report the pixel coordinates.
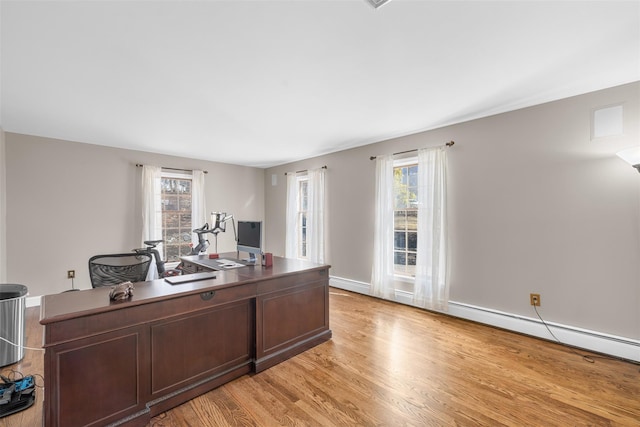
(57, 307)
(281, 266)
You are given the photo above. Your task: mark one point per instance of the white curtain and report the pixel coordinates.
(382, 268)
(431, 288)
(291, 230)
(198, 205)
(315, 215)
(151, 210)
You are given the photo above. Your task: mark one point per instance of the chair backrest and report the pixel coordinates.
(113, 269)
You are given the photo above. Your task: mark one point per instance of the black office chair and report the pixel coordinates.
(113, 269)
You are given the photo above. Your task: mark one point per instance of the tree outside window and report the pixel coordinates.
(405, 218)
(176, 216)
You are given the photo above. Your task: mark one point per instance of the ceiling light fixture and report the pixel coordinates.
(377, 3)
(631, 156)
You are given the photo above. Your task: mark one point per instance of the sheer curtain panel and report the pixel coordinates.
(382, 269)
(315, 215)
(151, 209)
(198, 205)
(431, 288)
(291, 231)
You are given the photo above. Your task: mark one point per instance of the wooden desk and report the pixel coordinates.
(125, 362)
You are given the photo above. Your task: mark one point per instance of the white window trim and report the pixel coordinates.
(175, 174)
(405, 161)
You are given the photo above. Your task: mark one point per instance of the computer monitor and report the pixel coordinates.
(250, 238)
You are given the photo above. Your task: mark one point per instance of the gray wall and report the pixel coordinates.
(67, 201)
(3, 211)
(535, 205)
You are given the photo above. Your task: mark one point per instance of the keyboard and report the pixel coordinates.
(186, 278)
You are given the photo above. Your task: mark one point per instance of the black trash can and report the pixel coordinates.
(12, 324)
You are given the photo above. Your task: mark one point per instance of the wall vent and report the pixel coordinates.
(607, 122)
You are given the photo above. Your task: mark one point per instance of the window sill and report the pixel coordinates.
(404, 283)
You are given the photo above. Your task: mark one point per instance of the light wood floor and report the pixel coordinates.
(393, 365)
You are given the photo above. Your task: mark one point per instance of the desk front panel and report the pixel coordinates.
(193, 347)
(291, 317)
(97, 380)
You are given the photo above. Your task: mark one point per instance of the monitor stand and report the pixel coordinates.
(251, 259)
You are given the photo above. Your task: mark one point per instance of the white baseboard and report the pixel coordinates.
(32, 301)
(621, 347)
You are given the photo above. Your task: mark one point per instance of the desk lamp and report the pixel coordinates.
(219, 221)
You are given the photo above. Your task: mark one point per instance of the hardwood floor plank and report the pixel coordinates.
(393, 365)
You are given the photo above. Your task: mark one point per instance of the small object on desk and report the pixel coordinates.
(186, 278)
(267, 259)
(227, 263)
(213, 256)
(121, 292)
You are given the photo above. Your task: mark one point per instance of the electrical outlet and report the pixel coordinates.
(71, 274)
(535, 299)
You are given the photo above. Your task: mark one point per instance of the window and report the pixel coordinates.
(303, 205)
(176, 215)
(304, 237)
(410, 235)
(405, 229)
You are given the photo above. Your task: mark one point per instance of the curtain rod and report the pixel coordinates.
(448, 144)
(304, 170)
(139, 165)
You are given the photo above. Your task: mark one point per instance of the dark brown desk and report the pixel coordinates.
(125, 362)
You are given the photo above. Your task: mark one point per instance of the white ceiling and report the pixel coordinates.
(262, 83)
